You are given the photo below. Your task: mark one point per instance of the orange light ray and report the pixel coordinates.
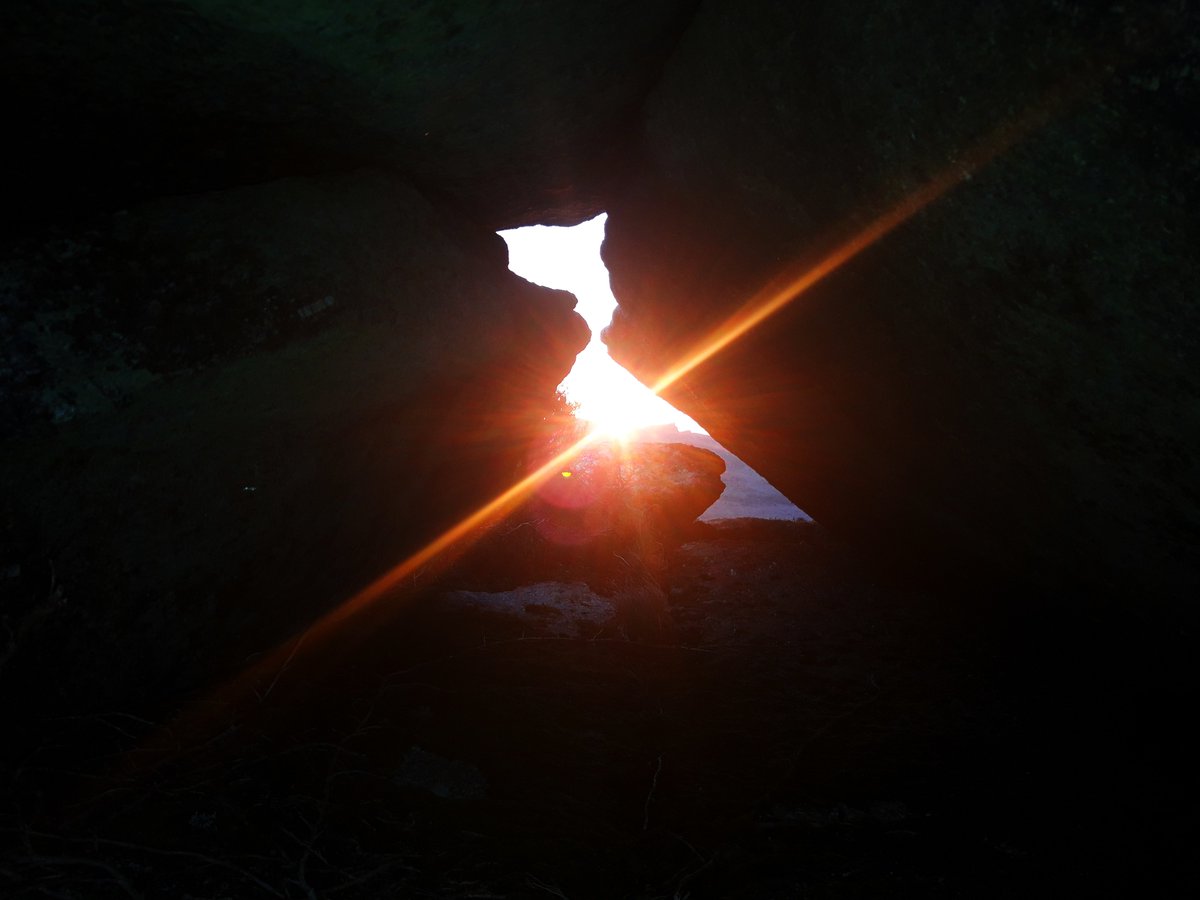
(752, 314)
(759, 310)
(439, 545)
(768, 302)
(395, 576)
(197, 718)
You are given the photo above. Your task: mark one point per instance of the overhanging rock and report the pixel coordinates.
(517, 112)
(1005, 383)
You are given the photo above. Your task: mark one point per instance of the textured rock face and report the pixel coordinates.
(226, 413)
(515, 111)
(257, 342)
(1004, 384)
(178, 285)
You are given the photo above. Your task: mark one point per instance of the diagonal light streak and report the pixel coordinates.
(197, 719)
(759, 310)
(457, 533)
(770, 301)
(761, 307)
(439, 545)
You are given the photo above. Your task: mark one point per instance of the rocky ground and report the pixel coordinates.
(730, 710)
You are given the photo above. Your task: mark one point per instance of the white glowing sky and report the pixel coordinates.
(569, 259)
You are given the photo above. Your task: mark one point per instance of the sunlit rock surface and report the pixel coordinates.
(612, 488)
(1005, 384)
(519, 112)
(747, 494)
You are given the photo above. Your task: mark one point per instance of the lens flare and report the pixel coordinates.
(199, 718)
(751, 314)
(771, 300)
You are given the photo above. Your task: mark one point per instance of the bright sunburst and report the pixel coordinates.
(612, 400)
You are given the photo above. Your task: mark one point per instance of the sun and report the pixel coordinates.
(611, 423)
(615, 403)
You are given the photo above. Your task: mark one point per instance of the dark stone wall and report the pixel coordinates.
(229, 412)
(519, 112)
(1005, 384)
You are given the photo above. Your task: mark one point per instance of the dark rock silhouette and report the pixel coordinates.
(258, 346)
(1007, 373)
(224, 386)
(612, 487)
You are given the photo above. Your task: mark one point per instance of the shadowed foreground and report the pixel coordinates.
(780, 727)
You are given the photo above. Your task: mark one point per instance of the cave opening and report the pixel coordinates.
(609, 398)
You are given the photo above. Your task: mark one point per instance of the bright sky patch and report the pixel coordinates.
(609, 397)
